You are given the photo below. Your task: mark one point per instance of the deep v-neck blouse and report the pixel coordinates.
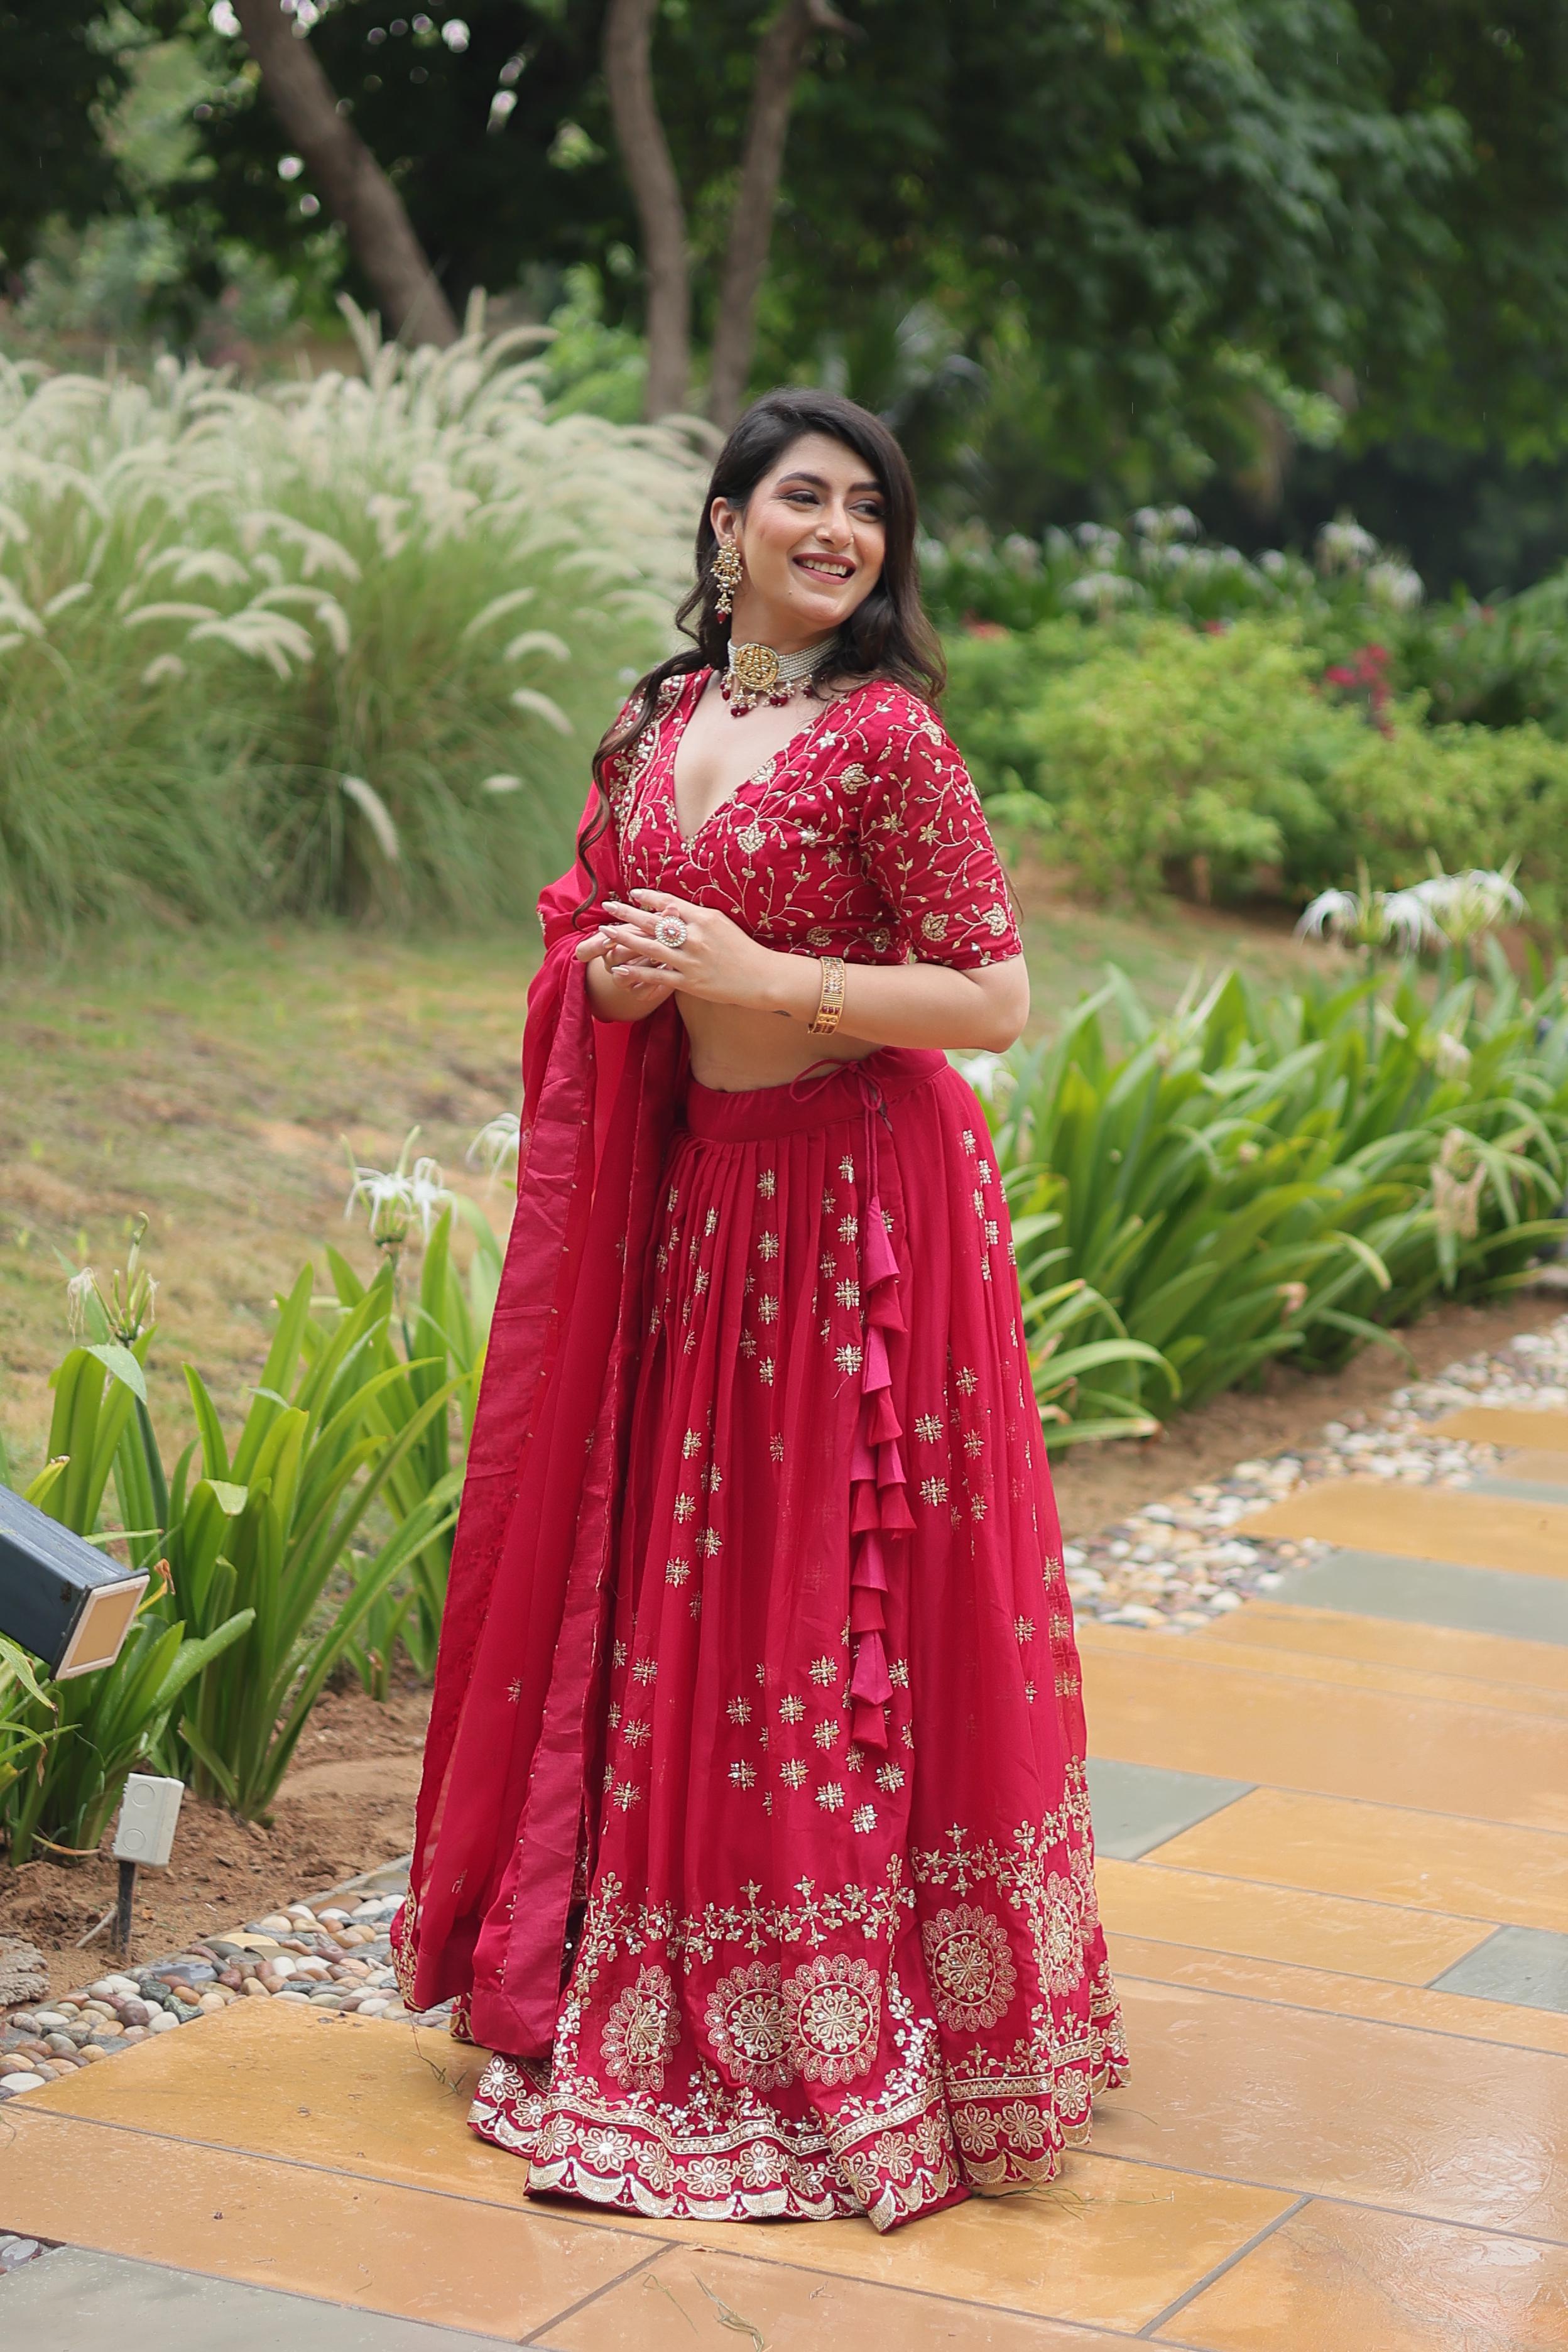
(863, 837)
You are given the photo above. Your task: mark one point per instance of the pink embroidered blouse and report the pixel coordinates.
(864, 837)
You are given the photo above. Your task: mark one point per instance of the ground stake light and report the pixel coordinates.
(148, 1812)
(59, 1597)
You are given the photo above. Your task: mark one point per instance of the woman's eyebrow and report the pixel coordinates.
(819, 482)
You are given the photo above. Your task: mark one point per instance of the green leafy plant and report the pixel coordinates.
(91, 1732)
(1250, 1179)
(334, 1421)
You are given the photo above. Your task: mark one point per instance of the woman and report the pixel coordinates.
(754, 1831)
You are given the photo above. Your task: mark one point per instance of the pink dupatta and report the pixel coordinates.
(512, 1729)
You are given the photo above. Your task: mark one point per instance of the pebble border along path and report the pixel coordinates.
(336, 1956)
(1176, 1564)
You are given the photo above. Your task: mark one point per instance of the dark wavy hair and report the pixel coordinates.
(887, 635)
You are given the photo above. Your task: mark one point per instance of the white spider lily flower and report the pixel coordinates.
(1407, 920)
(79, 1290)
(1396, 585)
(397, 1199)
(1469, 904)
(1372, 918)
(1331, 915)
(125, 1310)
(1163, 523)
(496, 1145)
(1101, 588)
(1345, 546)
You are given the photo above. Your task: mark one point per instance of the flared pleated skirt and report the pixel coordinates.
(838, 1951)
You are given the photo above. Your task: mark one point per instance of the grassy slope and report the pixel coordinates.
(209, 1079)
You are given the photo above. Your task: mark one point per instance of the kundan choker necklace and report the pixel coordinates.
(757, 674)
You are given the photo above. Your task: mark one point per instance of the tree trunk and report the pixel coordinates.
(781, 53)
(645, 153)
(354, 184)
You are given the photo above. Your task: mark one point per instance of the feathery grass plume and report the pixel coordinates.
(258, 648)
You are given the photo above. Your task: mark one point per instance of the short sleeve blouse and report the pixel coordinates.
(864, 837)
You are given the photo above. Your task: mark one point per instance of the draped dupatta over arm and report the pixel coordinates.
(501, 1807)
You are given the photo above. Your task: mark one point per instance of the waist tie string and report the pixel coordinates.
(879, 1514)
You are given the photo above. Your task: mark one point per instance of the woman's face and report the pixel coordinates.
(812, 536)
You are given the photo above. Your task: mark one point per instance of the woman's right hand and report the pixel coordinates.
(611, 997)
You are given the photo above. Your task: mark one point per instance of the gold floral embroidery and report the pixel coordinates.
(641, 2031)
(834, 2005)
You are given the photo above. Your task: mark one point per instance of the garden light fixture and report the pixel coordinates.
(60, 1598)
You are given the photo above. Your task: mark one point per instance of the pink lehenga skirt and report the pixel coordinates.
(839, 1950)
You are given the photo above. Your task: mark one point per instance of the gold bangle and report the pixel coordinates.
(830, 1002)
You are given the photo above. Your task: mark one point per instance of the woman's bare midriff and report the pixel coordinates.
(733, 1049)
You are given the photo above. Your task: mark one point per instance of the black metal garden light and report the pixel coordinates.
(60, 1598)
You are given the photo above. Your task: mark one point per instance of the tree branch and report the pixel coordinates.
(645, 153)
(781, 54)
(354, 184)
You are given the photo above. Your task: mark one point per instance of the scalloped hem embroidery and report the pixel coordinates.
(885, 2176)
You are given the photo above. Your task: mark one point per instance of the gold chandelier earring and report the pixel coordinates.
(727, 575)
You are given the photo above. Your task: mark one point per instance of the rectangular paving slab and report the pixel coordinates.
(1431, 1593)
(1340, 2276)
(1139, 1806)
(1526, 1964)
(71, 2298)
(1423, 1523)
(1503, 1424)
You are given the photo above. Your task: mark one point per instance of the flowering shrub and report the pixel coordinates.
(1233, 756)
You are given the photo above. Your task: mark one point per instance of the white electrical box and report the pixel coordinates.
(148, 1812)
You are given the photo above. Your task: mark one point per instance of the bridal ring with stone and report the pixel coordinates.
(669, 931)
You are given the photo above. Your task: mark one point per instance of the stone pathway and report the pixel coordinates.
(1334, 1866)
(1178, 1563)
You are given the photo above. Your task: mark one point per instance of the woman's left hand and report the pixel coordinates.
(716, 961)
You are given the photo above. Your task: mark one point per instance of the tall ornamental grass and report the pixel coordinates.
(341, 644)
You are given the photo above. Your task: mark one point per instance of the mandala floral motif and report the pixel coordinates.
(974, 2128)
(640, 2031)
(1061, 1943)
(835, 2009)
(970, 1968)
(746, 2027)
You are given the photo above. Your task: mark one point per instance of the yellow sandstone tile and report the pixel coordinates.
(386, 2105)
(1344, 1996)
(1213, 1711)
(442, 2259)
(1496, 1659)
(1364, 2282)
(355, 2095)
(1275, 1923)
(1493, 1425)
(1391, 1678)
(690, 2300)
(1424, 1523)
(1422, 1862)
(1331, 2106)
(1105, 2244)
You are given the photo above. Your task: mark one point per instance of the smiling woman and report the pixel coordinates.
(754, 1828)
